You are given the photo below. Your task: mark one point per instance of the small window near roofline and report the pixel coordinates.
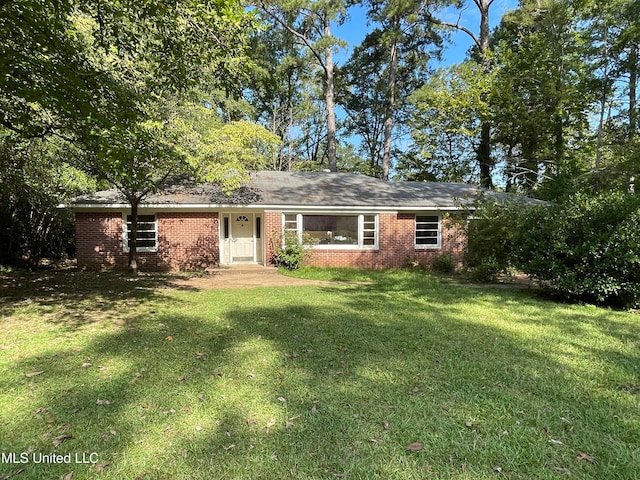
(147, 235)
(427, 231)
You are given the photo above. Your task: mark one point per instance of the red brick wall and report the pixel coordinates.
(99, 241)
(186, 241)
(189, 241)
(272, 233)
(395, 244)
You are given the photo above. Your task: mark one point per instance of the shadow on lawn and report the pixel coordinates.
(428, 374)
(79, 292)
(363, 371)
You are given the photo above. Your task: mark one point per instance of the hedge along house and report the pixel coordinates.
(354, 221)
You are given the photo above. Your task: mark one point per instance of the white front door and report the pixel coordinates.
(242, 238)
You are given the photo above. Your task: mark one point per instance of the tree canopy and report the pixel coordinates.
(130, 93)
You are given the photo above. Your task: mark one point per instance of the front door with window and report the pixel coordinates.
(242, 238)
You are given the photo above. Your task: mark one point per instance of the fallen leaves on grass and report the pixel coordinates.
(102, 402)
(270, 424)
(6, 476)
(585, 456)
(101, 466)
(33, 374)
(59, 440)
(415, 447)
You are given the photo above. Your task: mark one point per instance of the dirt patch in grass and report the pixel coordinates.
(243, 278)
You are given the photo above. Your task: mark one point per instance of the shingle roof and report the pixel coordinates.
(313, 189)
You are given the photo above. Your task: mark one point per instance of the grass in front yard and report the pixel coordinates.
(331, 381)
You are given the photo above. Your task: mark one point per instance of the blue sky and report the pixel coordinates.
(355, 29)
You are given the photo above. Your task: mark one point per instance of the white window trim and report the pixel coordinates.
(359, 246)
(125, 234)
(438, 245)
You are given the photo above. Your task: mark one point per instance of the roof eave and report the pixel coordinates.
(278, 207)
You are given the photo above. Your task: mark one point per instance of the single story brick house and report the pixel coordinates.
(354, 220)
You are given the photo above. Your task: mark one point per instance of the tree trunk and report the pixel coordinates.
(329, 102)
(484, 155)
(633, 86)
(391, 106)
(484, 149)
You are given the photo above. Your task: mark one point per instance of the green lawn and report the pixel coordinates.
(325, 382)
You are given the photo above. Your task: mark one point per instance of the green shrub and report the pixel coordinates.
(444, 264)
(290, 254)
(490, 235)
(587, 247)
(411, 263)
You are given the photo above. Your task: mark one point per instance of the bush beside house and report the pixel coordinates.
(586, 247)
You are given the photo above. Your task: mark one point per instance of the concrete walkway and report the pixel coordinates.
(244, 276)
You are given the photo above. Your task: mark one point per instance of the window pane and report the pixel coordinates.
(290, 222)
(331, 229)
(427, 241)
(369, 222)
(145, 243)
(146, 237)
(427, 230)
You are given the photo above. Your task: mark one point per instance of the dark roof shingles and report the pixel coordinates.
(308, 189)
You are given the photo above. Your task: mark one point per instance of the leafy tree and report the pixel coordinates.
(309, 21)
(282, 91)
(612, 39)
(96, 74)
(543, 93)
(446, 124)
(35, 178)
(481, 42)
(388, 65)
(221, 152)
